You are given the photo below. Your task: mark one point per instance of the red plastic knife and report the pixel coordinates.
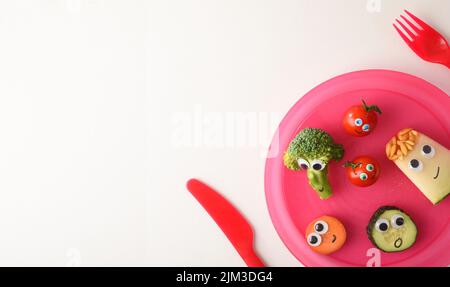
(229, 219)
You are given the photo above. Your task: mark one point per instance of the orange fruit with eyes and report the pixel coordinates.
(326, 235)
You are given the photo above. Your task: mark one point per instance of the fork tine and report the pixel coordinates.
(411, 34)
(414, 27)
(406, 39)
(421, 23)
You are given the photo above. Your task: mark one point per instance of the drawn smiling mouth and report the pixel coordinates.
(437, 174)
(358, 132)
(398, 243)
(320, 189)
(334, 238)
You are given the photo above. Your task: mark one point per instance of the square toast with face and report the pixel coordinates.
(424, 161)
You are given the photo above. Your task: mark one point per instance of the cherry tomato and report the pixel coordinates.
(361, 120)
(363, 171)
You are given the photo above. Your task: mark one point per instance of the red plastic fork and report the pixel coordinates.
(425, 41)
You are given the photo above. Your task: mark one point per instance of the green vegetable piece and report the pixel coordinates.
(391, 229)
(319, 182)
(314, 148)
(371, 108)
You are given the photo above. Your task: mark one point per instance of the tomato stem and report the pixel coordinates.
(371, 108)
(352, 165)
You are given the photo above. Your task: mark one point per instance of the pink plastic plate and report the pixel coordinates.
(406, 101)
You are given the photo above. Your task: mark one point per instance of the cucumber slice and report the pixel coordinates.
(391, 229)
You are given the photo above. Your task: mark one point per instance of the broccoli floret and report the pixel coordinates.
(316, 148)
(312, 143)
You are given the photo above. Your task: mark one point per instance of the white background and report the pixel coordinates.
(92, 91)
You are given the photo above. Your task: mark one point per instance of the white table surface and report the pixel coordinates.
(108, 107)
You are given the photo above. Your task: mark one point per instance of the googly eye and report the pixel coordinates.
(382, 225)
(370, 167)
(416, 165)
(428, 151)
(321, 227)
(366, 127)
(317, 164)
(314, 239)
(358, 122)
(303, 163)
(363, 176)
(397, 221)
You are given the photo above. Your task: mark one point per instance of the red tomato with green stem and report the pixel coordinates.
(361, 120)
(362, 171)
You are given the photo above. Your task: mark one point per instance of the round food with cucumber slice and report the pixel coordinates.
(391, 229)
